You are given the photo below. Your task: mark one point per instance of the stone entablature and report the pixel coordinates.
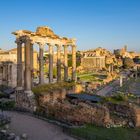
(44, 37)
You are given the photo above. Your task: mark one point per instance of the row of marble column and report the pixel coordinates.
(41, 63)
(29, 64)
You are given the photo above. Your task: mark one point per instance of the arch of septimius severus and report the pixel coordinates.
(43, 36)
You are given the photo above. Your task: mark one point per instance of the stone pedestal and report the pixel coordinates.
(25, 101)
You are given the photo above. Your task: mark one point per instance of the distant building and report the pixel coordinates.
(96, 58)
(8, 66)
(11, 56)
(124, 53)
(8, 74)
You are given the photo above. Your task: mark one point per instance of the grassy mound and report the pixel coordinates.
(51, 87)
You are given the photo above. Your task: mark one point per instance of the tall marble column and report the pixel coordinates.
(50, 63)
(58, 63)
(41, 63)
(3, 73)
(31, 56)
(19, 64)
(32, 68)
(121, 80)
(65, 63)
(74, 63)
(27, 66)
(109, 68)
(100, 66)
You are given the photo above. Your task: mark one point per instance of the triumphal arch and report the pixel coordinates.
(43, 36)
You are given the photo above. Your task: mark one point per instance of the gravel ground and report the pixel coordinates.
(36, 129)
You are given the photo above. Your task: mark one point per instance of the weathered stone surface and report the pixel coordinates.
(46, 32)
(97, 58)
(130, 114)
(53, 96)
(23, 101)
(78, 113)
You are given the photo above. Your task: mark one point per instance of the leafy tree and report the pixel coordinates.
(128, 62)
(78, 59)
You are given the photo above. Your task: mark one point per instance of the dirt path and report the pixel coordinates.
(35, 128)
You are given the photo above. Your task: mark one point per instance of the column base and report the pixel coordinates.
(29, 93)
(19, 88)
(25, 101)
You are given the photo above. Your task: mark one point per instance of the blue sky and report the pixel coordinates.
(107, 23)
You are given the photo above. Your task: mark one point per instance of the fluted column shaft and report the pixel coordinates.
(50, 63)
(28, 65)
(19, 64)
(58, 63)
(65, 63)
(41, 64)
(74, 63)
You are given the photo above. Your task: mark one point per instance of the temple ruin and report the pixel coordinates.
(43, 36)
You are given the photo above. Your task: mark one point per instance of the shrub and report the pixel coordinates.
(5, 105)
(128, 63)
(120, 97)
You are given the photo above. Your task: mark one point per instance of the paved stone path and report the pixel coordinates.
(108, 89)
(35, 128)
(135, 87)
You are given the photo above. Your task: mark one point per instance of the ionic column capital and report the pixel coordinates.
(18, 41)
(41, 45)
(65, 46)
(73, 46)
(58, 45)
(50, 44)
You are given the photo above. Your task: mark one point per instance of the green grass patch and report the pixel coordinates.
(90, 77)
(6, 105)
(126, 85)
(91, 132)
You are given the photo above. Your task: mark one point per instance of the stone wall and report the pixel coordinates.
(53, 96)
(8, 75)
(78, 113)
(129, 113)
(24, 101)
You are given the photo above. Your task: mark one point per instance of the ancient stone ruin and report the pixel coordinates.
(43, 36)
